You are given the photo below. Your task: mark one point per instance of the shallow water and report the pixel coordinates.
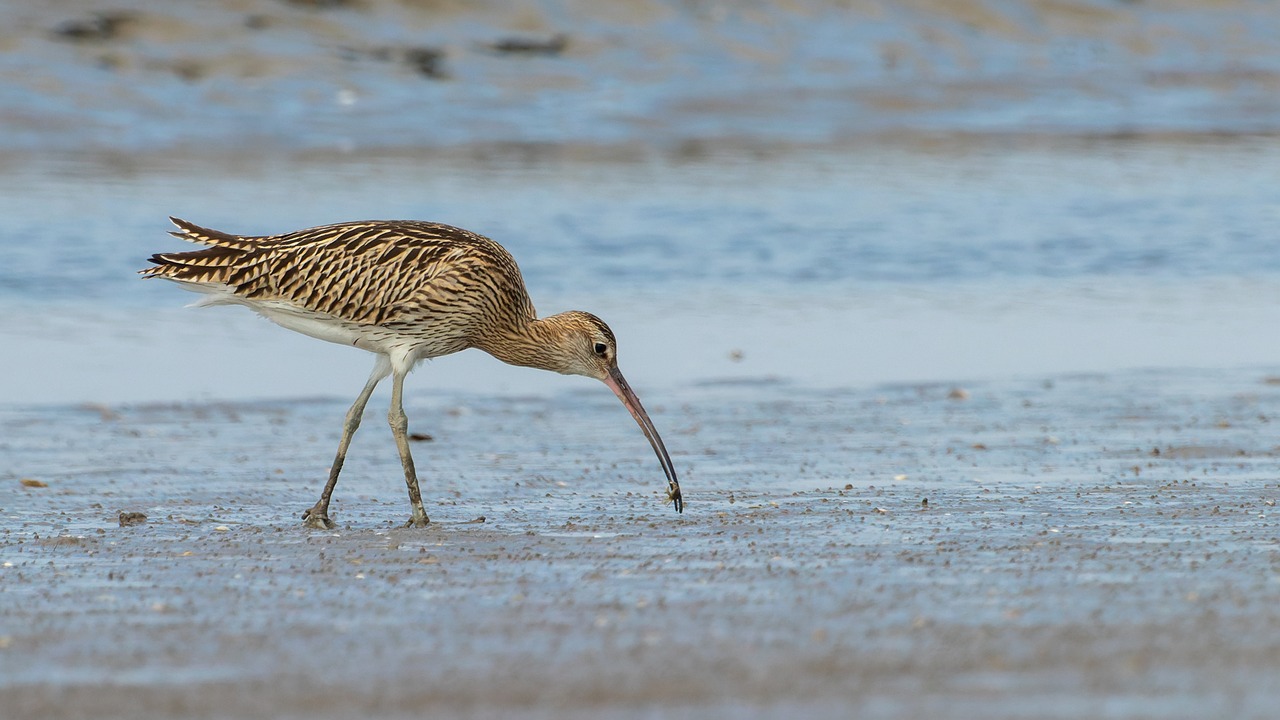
(834, 268)
(800, 221)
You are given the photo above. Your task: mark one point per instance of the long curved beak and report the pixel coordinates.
(619, 386)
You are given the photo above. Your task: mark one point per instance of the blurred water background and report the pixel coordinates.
(828, 193)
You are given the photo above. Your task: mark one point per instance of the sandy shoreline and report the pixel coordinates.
(136, 75)
(1093, 545)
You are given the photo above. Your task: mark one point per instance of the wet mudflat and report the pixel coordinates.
(783, 209)
(1092, 546)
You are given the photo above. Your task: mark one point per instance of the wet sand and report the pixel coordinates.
(1098, 546)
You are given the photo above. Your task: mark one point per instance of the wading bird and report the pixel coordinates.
(406, 291)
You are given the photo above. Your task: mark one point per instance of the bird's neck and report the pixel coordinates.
(529, 343)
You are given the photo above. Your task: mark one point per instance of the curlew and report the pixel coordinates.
(406, 291)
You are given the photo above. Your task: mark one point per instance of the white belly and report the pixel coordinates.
(410, 347)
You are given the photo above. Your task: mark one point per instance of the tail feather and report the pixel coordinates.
(205, 236)
(218, 264)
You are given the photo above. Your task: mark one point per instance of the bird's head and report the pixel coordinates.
(584, 345)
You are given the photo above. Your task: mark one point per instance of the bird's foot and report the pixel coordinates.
(317, 518)
(418, 520)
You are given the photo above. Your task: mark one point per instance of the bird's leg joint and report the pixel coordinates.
(398, 420)
(353, 421)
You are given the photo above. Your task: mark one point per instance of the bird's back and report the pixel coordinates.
(410, 278)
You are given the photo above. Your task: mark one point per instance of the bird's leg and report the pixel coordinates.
(400, 428)
(318, 515)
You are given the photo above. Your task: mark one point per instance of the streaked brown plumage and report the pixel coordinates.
(407, 291)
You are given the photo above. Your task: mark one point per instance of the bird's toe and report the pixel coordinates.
(417, 521)
(318, 520)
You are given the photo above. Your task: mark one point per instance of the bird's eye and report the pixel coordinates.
(600, 349)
